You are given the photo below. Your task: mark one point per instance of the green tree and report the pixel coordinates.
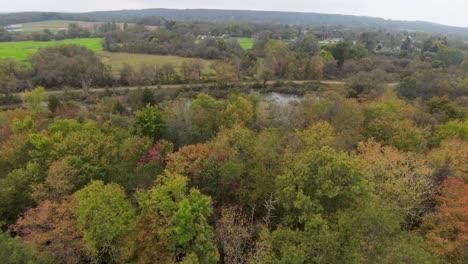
(147, 97)
(307, 43)
(206, 117)
(452, 129)
(277, 58)
(148, 123)
(408, 88)
(12, 251)
(238, 110)
(371, 233)
(25, 125)
(319, 181)
(35, 100)
(174, 223)
(104, 217)
(341, 52)
(71, 65)
(443, 109)
(450, 56)
(53, 103)
(16, 191)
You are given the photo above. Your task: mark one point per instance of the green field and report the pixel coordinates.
(246, 43)
(21, 50)
(117, 60)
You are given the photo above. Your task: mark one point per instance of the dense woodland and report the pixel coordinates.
(374, 170)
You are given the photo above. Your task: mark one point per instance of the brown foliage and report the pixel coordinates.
(446, 230)
(235, 234)
(52, 228)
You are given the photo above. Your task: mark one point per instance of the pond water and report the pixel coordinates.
(281, 98)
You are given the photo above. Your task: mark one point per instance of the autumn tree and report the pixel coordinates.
(53, 229)
(235, 234)
(62, 179)
(9, 82)
(450, 159)
(445, 230)
(402, 179)
(225, 73)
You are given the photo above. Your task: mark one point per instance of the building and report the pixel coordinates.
(331, 40)
(14, 28)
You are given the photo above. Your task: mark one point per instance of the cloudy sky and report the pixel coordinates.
(449, 12)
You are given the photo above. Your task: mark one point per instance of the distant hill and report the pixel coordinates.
(211, 15)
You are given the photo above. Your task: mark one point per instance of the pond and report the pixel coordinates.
(281, 98)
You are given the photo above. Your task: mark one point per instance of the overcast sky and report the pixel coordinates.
(449, 12)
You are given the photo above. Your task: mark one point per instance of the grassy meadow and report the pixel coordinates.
(52, 25)
(246, 43)
(21, 50)
(117, 60)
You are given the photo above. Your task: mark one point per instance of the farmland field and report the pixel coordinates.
(246, 43)
(20, 50)
(118, 59)
(53, 25)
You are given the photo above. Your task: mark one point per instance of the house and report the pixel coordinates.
(14, 28)
(331, 40)
(224, 36)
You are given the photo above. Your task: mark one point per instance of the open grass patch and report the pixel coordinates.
(52, 25)
(21, 50)
(246, 43)
(118, 59)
